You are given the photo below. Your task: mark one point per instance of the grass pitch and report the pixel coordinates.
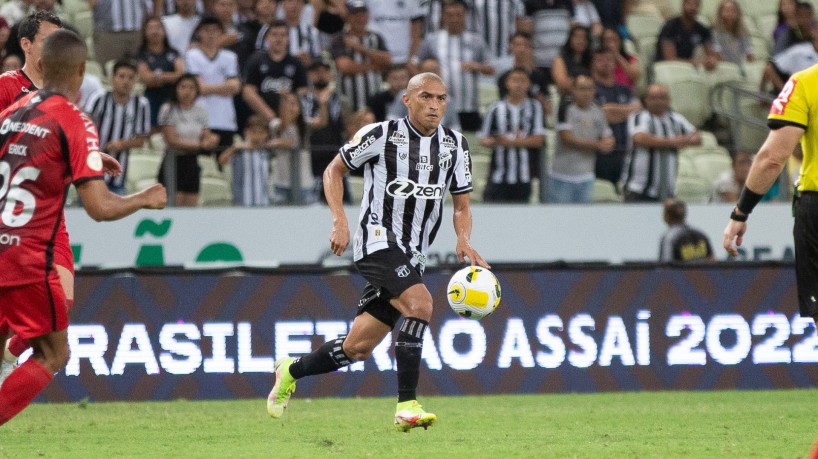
(736, 424)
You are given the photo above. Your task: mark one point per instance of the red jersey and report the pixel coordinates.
(14, 84)
(46, 143)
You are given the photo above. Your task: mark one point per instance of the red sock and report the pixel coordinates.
(17, 345)
(20, 388)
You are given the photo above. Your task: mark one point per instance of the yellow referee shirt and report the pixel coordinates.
(797, 105)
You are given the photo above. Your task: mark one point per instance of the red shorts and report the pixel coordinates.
(63, 255)
(33, 310)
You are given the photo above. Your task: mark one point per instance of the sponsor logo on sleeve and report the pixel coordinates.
(94, 161)
(779, 105)
(367, 142)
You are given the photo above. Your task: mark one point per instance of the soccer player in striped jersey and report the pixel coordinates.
(47, 143)
(408, 166)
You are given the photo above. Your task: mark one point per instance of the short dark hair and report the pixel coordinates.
(31, 24)
(675, 211)
(124, 63)
(185, 77)
(63, 54)
(525, 35)
(255, 121)
(275, 24)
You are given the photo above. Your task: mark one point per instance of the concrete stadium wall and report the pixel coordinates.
(167, 334)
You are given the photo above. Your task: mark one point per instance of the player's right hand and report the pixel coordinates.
(734, 231)
(339, 239)
(156, 196)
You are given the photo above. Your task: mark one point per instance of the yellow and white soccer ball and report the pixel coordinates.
(473, 292)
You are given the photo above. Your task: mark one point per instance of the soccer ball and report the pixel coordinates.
(473, 292)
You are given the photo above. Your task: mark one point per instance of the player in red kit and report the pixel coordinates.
(46, 144)
(14, 85)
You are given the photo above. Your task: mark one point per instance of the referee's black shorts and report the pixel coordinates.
(805, 235)
(389, 273)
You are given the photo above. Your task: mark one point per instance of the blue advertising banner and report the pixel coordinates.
(142, 335)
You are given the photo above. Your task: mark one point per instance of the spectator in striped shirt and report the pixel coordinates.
(122, 119)
(513, 129)
(360, 56)
(463, 57)
(250, 162)
(657, 134)
(305, 41)
(117, 28)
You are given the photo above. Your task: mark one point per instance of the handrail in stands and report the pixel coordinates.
(736, 92)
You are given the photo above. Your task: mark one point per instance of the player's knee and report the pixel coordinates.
(357, 351)
(418, 305)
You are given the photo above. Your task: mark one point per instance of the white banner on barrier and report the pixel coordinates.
(268, 237)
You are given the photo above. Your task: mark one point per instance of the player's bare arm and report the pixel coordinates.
(334, 192)
(462, 228)
(103, 205)
(767, 166)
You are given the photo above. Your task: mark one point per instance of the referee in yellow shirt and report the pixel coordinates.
(793, 118)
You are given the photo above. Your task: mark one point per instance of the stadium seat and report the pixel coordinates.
(749, 137)
(758, 8)
(142, 166)
(724, 71)
(644, 25)
(693, 189)
(605, 192)
(708, 9)
(686, 167)
(753, 71)
(93, 68)
(689, 98)
(708, 139)
(765, 25)
(761, 47)
(72, 7)
(711, 166)
(209, 167)
(84, 22)
(669, 72)
(647, 56)
(214, 192)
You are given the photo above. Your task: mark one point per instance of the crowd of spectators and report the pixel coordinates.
(271, 84)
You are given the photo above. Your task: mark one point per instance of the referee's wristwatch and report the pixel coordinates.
(739, 217)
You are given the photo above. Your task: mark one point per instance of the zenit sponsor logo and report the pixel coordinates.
(403, 188)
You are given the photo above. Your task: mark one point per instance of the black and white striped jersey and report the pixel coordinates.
(119, 122)
(359, 87)
(406, 176)
(451, 51)
(652, 171)
(513, 164)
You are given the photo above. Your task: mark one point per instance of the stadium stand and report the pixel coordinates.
(711, 165)
(605, 192)
(692, 189)
(214, 192)
(143, 167)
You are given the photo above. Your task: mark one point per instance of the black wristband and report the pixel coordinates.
(738, 217)
(748, 200)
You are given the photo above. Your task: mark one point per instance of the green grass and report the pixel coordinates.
(737, 424)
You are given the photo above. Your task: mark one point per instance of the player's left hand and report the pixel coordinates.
(734, 231)
(110, 165)
(465, 250)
